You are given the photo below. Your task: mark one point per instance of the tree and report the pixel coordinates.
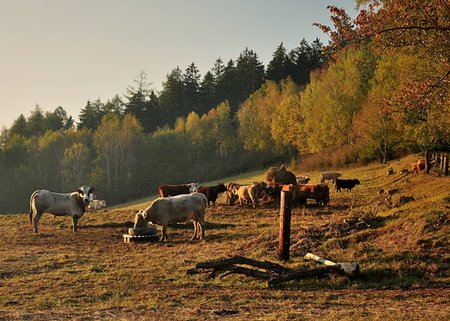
(90, 116)
(277, 69)
(76, 165)
(36, 122)
(250, 74)
(171, 98)
(19, 126)
(58, 120)
(207, 93)
(418, 27)
(255, 118)
(191, 84)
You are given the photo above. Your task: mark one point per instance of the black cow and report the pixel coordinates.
(346, 183)
(211, 192)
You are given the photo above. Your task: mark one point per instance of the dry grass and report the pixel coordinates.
(93, 275)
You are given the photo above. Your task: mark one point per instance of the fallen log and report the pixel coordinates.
(273, 273)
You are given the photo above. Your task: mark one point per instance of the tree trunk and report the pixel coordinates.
(427, 161)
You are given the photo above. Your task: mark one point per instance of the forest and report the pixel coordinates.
(378, 90)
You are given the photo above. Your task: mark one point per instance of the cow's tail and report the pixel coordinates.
(31, 207)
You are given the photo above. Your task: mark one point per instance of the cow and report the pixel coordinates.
(420, 165)
(211, 192)
(346, 183)
(96, 205)
(173, 190)
(330, 175)
(275, 175)
(318, 192)
(231, 193)
(250, 193)
(59, 204)
(175, 209)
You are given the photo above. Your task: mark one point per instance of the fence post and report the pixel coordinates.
(284, 238)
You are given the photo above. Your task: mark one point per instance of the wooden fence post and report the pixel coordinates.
(284, 238)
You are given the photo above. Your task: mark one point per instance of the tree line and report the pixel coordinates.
(129, 145)
(378, 90)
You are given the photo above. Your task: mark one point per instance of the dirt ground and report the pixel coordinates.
(94, 275)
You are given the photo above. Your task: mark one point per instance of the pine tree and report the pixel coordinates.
(277, 67)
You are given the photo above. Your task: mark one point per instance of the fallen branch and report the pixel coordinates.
(273, 273)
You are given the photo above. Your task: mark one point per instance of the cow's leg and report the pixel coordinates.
(164, 233)
(75, 222)
(201, 225)
(36, 219)
(194, 236)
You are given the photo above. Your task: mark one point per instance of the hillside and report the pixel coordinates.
(401, 244)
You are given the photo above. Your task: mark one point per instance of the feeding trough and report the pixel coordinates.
(141, 234)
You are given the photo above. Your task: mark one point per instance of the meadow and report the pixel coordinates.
(400, 241)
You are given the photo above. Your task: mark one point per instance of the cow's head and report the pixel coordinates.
(192, 187)
(139, 220)
(221, 188)
(86, 193)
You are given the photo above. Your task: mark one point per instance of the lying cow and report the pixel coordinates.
(173, 190)
(71, 204)
(96, 205)
(330, 176)
(212, 192)
(346, 184)
(175, 209)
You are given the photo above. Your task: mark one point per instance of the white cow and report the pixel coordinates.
(175, 209)
(330, 175)
(72, 204)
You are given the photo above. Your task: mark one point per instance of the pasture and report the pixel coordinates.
(402, 247)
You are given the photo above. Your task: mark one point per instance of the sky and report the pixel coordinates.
(66, 52)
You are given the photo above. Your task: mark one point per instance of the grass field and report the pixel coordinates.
(402, 248)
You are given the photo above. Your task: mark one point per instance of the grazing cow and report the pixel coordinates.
(231, 193)
(250, 193)
(346, 183)
(211, 192)
(72, 204)
(303, 179)
(96, 205)
(173, 190)
(420, 165)
(175, 209)
(330, 175)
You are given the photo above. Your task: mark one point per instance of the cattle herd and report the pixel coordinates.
(188, 202)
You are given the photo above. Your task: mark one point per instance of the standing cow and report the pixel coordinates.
(175, 209)
(346, 184)
(173, 190)
(72, 204)
(212, 192)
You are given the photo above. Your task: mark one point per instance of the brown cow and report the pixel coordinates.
(420, 165)
(173, 190)
(275, 175)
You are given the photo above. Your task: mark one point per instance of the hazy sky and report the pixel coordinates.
(65, 52)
